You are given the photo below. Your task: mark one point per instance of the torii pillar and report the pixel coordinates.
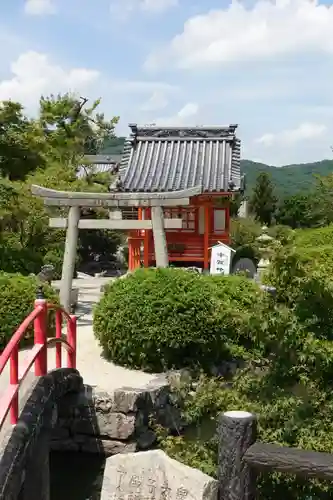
(76, 200)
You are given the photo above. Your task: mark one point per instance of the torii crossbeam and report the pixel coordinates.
(77, 200)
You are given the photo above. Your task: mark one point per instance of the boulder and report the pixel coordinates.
(152, 475)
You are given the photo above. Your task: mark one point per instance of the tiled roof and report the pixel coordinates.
(99, 164)
(98, 159)
(97, 168)
(171, 159)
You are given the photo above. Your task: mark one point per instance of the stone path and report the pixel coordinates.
(95, 370)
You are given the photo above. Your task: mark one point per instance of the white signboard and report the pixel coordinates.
(220, 261)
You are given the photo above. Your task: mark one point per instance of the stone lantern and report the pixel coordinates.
(266, 250)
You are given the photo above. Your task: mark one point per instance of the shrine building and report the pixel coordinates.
(171, 159)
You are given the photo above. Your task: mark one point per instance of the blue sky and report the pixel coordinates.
(267, 66)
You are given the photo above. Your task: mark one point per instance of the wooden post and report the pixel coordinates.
(71, 339)
(236, 433)
(130, 253)
(14, 380)
(68, 265)
(58, 325)
(161, 250)
(227, 222)
(140, 236)
(146, 242)
(206, 237)
(136, 252)
(40, 335)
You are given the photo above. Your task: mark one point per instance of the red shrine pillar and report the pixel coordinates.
(206, 236)
(146, 240)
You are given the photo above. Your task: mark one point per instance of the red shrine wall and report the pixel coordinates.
(205, 222)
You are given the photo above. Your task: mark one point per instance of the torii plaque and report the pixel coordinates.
(72, 224)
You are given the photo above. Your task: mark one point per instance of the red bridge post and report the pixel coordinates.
(71, 338)
(40, 334)
(14, 380)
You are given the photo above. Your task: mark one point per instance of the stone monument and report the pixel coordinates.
(152, 475)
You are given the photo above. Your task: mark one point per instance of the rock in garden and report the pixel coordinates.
(152, 475)
(46, 273)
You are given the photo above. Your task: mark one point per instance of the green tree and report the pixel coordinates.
(73, 129)
(48, 151)
(324, 197)
(22, 142)
(263, 200)
(301, 211)
(235, 204)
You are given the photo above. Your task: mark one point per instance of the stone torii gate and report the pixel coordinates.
(116, 200)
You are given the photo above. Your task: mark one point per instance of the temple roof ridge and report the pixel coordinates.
(187, 132)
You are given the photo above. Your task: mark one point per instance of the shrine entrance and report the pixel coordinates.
(115, 201)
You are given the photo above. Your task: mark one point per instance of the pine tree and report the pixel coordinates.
(263, 200)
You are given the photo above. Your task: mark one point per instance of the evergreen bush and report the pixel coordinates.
(303, 282)
(290, 392)
(17, 295)
(158, 319)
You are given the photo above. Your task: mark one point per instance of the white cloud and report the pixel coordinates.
(34, 74)
(156, 101)
(269, 29)
(123, 8)
(39, 7)
(303, 132)
(185, 116)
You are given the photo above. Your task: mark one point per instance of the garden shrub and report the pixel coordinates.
(304, 282)
(55, 257)
(294, 420)
(17, 295)
(292, 398)
(290, 389)
(244, 231)
(281, 233)
(158, 319)
(314, 237)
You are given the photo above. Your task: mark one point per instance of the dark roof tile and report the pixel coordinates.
(171, 159)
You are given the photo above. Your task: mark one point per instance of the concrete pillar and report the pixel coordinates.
(161, 249)
(68, 265)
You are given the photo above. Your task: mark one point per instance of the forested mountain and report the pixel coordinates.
(288, 180)
(113, 146)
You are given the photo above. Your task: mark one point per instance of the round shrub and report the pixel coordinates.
(158, 319)
(17, 295)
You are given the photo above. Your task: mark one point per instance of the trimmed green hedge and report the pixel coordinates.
(158, 319)
(17, 295)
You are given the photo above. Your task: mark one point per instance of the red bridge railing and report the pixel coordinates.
(9, 402)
